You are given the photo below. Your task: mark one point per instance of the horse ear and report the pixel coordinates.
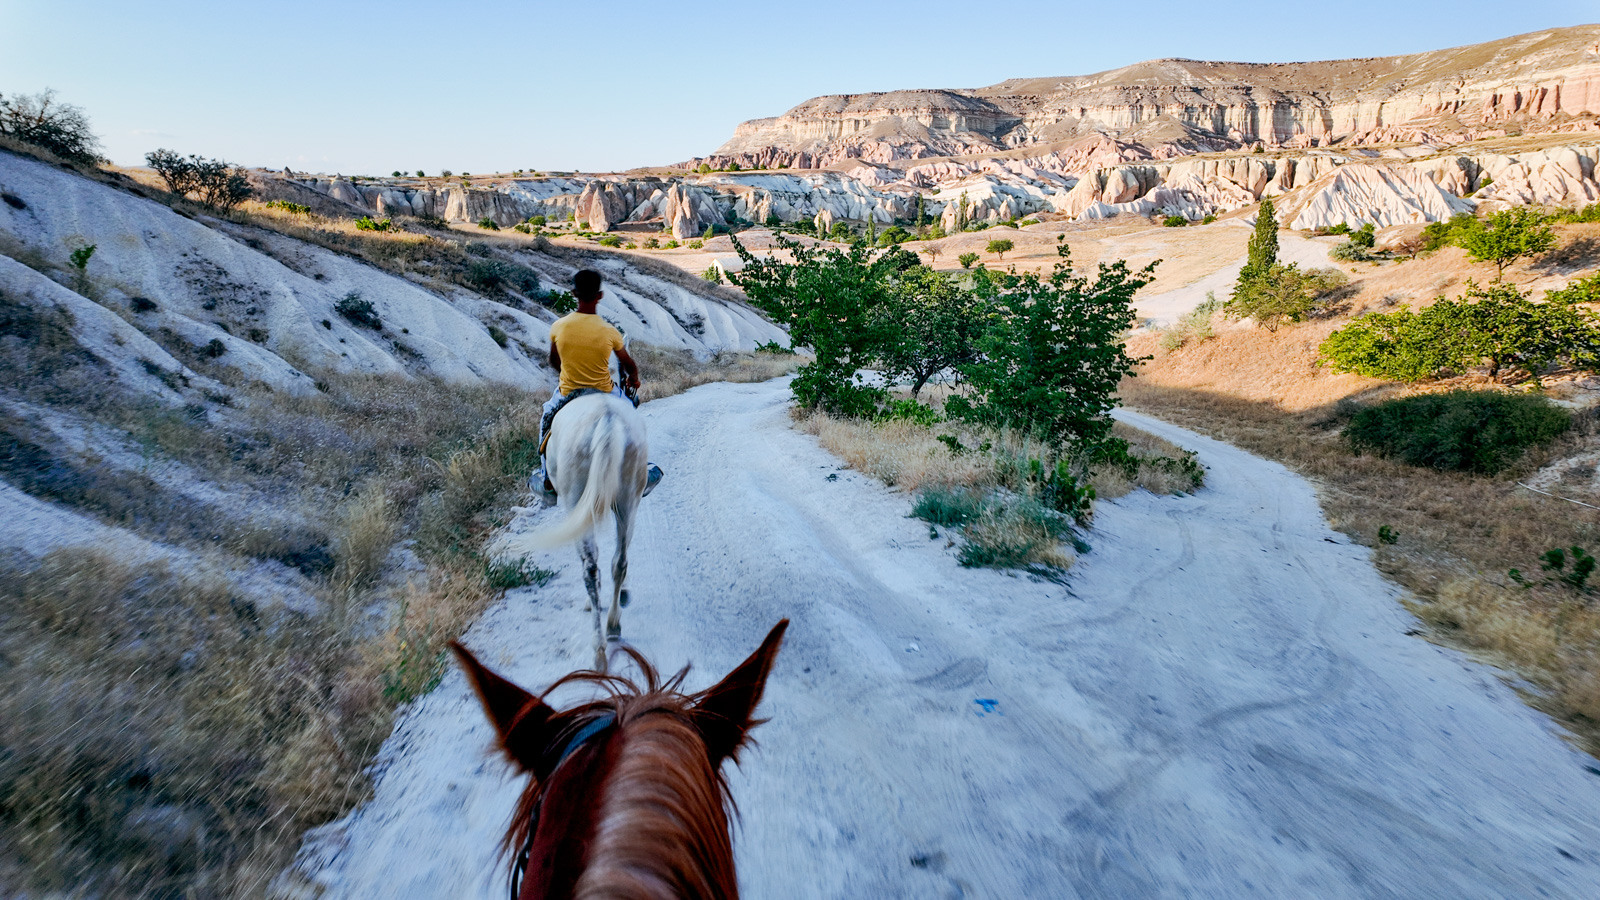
(723, 713)
(508, 707)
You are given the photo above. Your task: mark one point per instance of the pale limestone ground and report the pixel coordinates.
(1221, 702)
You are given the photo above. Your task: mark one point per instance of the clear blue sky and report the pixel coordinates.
(486, 85)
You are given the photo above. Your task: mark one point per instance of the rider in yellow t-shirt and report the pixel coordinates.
(581, 346)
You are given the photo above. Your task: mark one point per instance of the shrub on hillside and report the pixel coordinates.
(1000, 247)
(58, 128)
(1494, 325)
(1468, 431)
(1507, 236)
(358, 311)
(610, 240)
(367, 223)
(497, 274)
(215, 183)
(1445, 233)
(1281, 294)
(488, 224)
(967, 259)
(297, 209)
(1174, 221)
(561, 302)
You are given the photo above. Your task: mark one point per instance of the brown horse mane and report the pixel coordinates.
(661, 820)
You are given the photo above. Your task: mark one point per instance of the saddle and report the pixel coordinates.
(550, 417)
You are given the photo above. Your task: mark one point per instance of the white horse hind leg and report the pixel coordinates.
(619, 567)
(589, 552)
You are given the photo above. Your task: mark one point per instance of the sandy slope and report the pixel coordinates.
(1221, 702)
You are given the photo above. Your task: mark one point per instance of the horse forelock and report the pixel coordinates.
(651, 808)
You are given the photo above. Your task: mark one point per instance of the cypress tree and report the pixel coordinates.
(1263, 250)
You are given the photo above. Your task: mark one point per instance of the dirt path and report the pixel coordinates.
(1221, 702)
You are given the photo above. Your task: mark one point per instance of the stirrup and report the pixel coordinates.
(653, 476)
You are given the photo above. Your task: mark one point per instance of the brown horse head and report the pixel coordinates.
(626, 798)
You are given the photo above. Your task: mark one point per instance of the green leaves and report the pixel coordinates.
(1469, 431)
(1051, 354)
(1280, 293)
(1507, 236)
(1495, 325)
(839, 303)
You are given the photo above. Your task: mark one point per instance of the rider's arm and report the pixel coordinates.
(630, 369)
(555, 357)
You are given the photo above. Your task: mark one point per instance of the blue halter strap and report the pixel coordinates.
(585, 734)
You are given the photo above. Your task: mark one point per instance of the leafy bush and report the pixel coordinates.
(1590, 214)
(696, 244)
(938, 325)
(1281, 294)
(1349, 251)
(522, 228)
(712, 274)
(967, 259)
(1364, 237)
(1507, 236)
(610, 240)
(1052, 353)
(1445, 233)
(560, 301)
(775, 348)
(1469, 431)
(834, 301)
(1495, 325)
(651, 243)
(1174, 221)
(488, 224)
(1210, 217)
(498, 335)
(508, 574)
(367, 223)
(537, 221)
(358, 312)
(395, 174)
(219, 184)
(910, 411)
(58, 128)
(497, 274)
(671, 245)
(298, 209)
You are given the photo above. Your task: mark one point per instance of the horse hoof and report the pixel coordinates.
(625, 600)
(613, 631)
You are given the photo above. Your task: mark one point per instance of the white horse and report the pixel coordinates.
(596, 458)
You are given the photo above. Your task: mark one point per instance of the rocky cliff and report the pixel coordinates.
(1548, 80)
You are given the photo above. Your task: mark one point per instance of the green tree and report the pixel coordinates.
(60, 128)
(967, 259)
(872, 230)
(1280, 294)
(936, 326)
(1000, 247)
(1507, 236)
(1052, 355)
(838, 302)
(1263, 247)
(1494, 325)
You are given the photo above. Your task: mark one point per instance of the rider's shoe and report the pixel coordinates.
(652, 478)
(547, 491)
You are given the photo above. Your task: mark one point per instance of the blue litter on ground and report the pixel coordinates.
(988, 706)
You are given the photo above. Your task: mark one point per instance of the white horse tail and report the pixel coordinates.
(606, 447)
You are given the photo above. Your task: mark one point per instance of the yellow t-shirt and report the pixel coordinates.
(585, 343)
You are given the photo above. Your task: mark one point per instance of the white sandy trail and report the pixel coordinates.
(1221, 703)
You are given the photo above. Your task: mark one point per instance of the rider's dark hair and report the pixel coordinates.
(586, 284)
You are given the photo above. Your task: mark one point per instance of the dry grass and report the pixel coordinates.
(668, 372)
(163, 734)
(1458, 535)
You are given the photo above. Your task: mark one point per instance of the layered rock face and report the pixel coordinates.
(1547, 80)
